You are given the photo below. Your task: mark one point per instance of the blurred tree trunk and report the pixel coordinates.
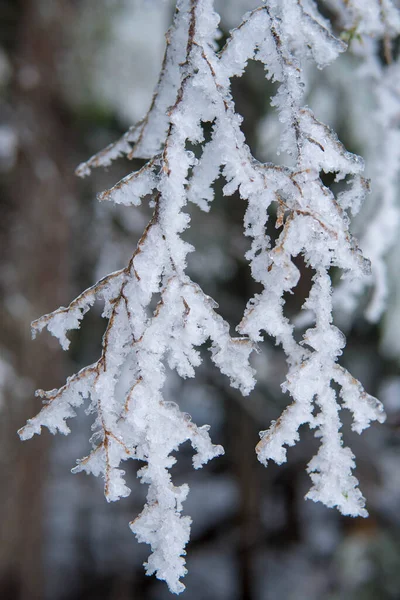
(35, 242)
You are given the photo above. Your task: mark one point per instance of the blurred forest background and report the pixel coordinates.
(74, 74)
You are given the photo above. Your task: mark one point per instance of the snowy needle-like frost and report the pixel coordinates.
(195, 88)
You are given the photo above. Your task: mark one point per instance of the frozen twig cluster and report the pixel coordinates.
(367, 25)
(194, 89)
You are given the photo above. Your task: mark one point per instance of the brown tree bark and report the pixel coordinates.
(34, 250)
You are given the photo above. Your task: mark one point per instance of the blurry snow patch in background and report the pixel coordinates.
(8, 148)
(120, 59)
(126, 79)
(9, 380)
(390, 394)
(232, 12)
(391, 321)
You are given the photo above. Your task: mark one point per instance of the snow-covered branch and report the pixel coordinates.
(381, 21)
(194, 89)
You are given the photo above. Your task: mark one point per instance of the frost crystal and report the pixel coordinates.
(195, 88)
(377, 18)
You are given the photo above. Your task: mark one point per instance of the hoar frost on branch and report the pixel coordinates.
(366, 24)
(193, 89)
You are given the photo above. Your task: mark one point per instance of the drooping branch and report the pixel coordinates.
(194, 89)
(140, 425)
